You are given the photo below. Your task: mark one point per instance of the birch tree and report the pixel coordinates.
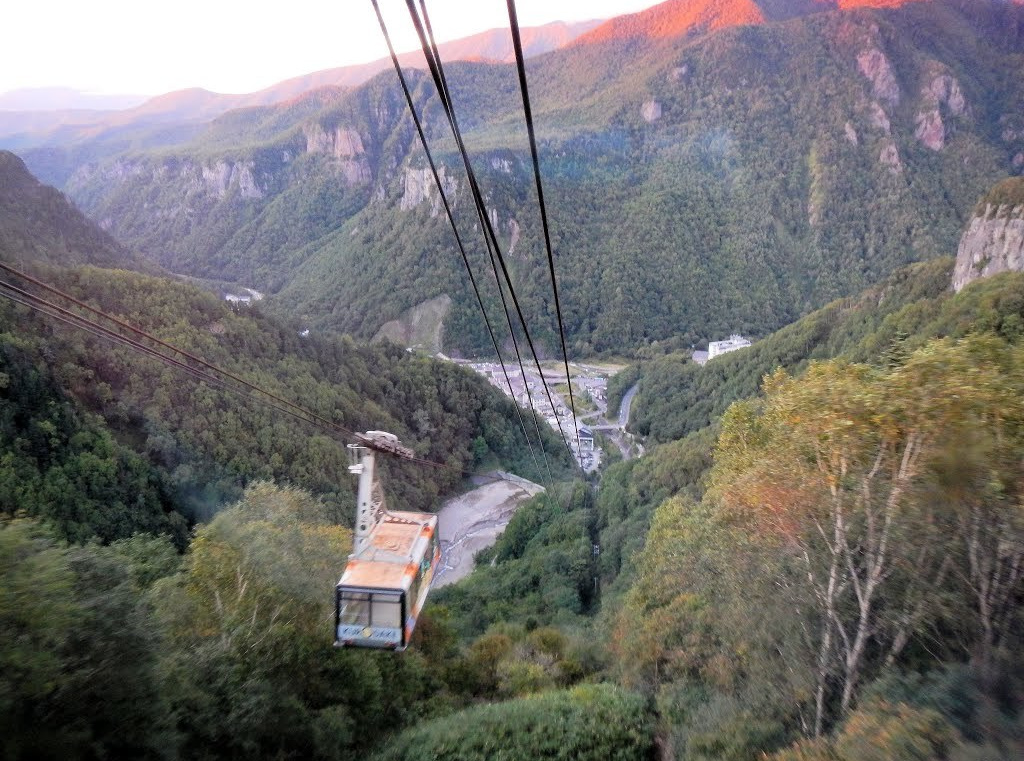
(836, 472)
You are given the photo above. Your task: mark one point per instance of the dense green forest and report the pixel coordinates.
(75, 407)
(840, 569)
(39, 225)
(678, 397)
(697, 186)
(680, 403)
(674, 635)
(820, 556)
(132, 631)
(105, 441)
(899, 447)
(728, 640)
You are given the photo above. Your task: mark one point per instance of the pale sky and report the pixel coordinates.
(232, 46)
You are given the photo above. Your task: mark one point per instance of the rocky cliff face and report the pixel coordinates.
(419, 186)
(345, 145)
(214, 179)
(993, 243)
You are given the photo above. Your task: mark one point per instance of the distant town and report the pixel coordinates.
(590, 393)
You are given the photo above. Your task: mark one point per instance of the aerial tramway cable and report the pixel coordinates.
(68, 317)
(513, 22)
(19, 296)
(182, 352)
(455, 231)
(436, 68)
(444, 95)
(493, 247)
(208, 372)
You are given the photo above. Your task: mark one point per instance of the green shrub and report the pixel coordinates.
(599, 722)
(882, 731)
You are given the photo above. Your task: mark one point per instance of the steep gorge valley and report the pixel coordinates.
(820, 555)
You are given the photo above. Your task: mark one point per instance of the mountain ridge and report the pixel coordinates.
(677, 18)
(197, 104)
(63, 99)
(710, 184)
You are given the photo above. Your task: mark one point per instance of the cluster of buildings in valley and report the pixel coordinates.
(527, 390)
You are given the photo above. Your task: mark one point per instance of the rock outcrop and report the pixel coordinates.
(994, 240)
(930, 129)
(214, 180)
(890, 156)
(876, 69)
(941, 92)
(346, 146)
(651, 111)
(945, 90)
(878, 118)
(223, 176)
(419, 186)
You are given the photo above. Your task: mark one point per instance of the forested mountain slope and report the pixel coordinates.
(714, 635)
(114, 642)
(202, 443)
(887, 321)
(821, 542)
(101, 440)
(680, 404)
(716, 181)
(713, 575)
(39, 224)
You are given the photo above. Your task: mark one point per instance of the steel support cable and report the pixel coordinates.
(513, 21)
(291, 408)
(182, 352)
(101, 331)
(455, 231)
(71, 318)
(515, 345)
(433, 58)
(97, 330)
(441, 85)
(93, 328)
(55, 311)
(490, 235)
(434, 63)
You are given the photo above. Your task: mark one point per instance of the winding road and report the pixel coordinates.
(625, 404)
(617, 431)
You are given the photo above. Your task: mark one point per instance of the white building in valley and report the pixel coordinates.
(734, 342)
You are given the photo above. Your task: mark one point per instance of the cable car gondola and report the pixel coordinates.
(385, 583)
